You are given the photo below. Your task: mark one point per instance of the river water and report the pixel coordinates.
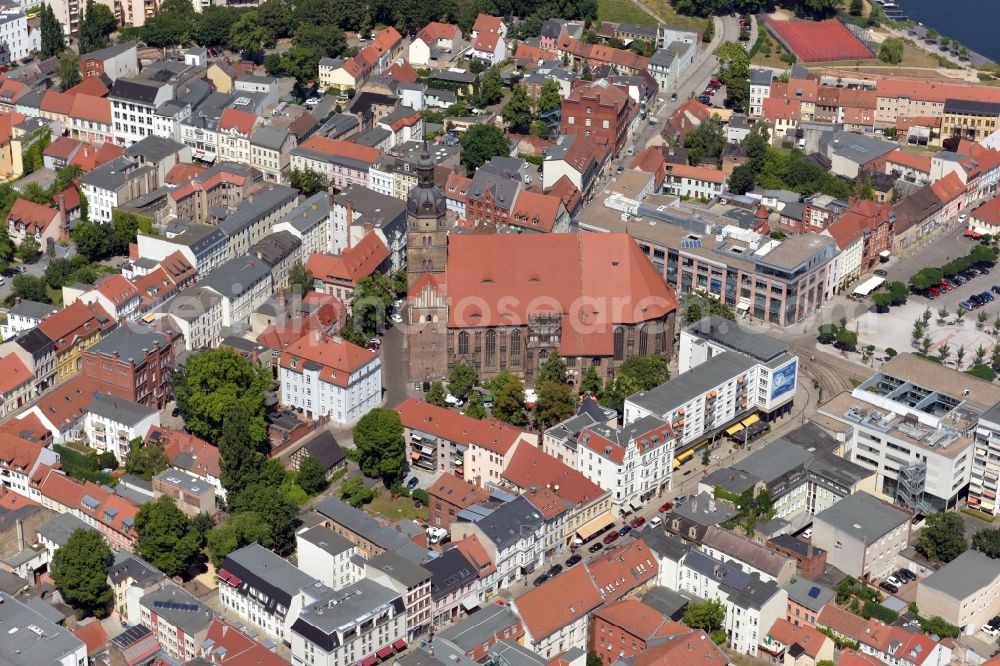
(974, 23)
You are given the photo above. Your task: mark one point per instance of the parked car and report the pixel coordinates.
(933, 293)
(967, 305)
(987, 296)
(963, 217)
(412, 483)
(655, 521)
(596, 547)
(396, 318)
(625, 530)
(574, 560)
(808, 534)
(895, 581)
(666, 507)
(555, 570)
(889, 587)
(906, 575)
(373, 345)
(610, 538)
(705, 99)
(995, 289)
(541, 579)
(453, 400)
(992, 628)
(637, 522)
(680, 500)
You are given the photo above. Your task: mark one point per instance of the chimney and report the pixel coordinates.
(694, 506)
(20, 534)
(809, 550)
(281, 298)
(63, 217)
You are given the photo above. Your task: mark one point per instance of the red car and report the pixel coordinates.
(611, 537)
(666, 507)
(934, 291)
(637, 522)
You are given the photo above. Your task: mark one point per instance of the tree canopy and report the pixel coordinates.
(312, 475)
(241, 455)
(378, 437)
(145, 461)
(891, 50)
(461, 378)
(482, 142)
(987, 541)
(706, 143)
(706, 615)
(211, 382)
(943, 537)
(80, 570)
(166, 539)
(53, 41)
(508, 398)
(241, 529)
(96, 26)
(281, 513)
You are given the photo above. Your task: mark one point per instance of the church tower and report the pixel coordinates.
(426, 224)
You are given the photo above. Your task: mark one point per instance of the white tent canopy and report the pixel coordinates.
(869, 285)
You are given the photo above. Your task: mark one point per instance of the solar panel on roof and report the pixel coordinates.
(814, 592)
(690, 242)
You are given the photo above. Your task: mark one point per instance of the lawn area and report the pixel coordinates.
(622, 11)
(396, 508)
(666, 11)
(770, 54)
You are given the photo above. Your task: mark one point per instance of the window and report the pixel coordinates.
(491, 346)
(619, 343)
(515, 347)
(463, 342)
(643, 341)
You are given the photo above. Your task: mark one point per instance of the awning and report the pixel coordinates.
(384, 652)
(869, 285)
(224, 575)
(470, 603)
(750, 420)
(400, 644)
(369, 660)
(635, 505)
(684, 457)
(595, 525)
(234, 581)
(971, 233)
(733, 429)
(743, 305)
(414, 456)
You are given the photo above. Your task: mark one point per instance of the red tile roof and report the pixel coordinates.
(537, 211)
(476, 555)
(907, 159)
(531, 467)
(934, 91)
(989, 212)
(604, 54)
(338, 148)
(7, 121)
(35, 217)
(809, 639)
(13, 373)
(57, 102)
(62, 148)
(694, 647)
(696, 173)
(92, 108)
(457, 491)
(93, 636)
(337, 357)
(486, 42)
(558, 602)
(89, 157)
(779, 108)
(241, 121)
(456, 427)
(639, 619)
(842, 622)
(435, 30)
(689, 116)
(117, 289)
(79, 320)
(533, 54)
(231, 646)
(618, 571)
(949, 188)
(567, 191)
(497, 278)
(180, 442)
(17, 453)
(66, 404)
(852, 658)
(402, 72)
(92, 85)
(486, 23)
(355, 263)
(545, 501)
(183, 172)
(279, 336)
(112, 511)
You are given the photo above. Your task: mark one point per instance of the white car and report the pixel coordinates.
(530, 397)
(963, 217)
(397, 318)
(312, 101)
(991, 630)
(808, 533)
(452, 400)
(654, 521)
(895, 581)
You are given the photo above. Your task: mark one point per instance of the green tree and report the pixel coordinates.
(355, 492)
(201, 524)
(734, 61)
(211, 382)
(420, 495)
(987, 541)
(241, 455)
(372, 298)
(97, 24)
(706, 143)
(328, 41)
(552, 370)
(145, 461)
(461, 379)
(29, 250)
(897, 293)
(881, 300)
(517, 112)
(93, 241)
(847, 340)
(124, 230)
(30, 288)
(53, 41)
(249, 35)
(475, 408)
(549, 97)
(594, 659)
(308, 181)
(241, 529)
(68, 70)
(891, 50)
(436, 395)
(215, 24)
(312, 475)
(482, 142)
(300, 280)
(6, 244)
(490, 87)
(282, 513)
(737, 93)
(756, 144)
(165, 537)
(540, 128)
(508, 398)
(647, 372)
(80, 570)
(591, 382)
(706, 615)
(943, 537)
(857, 8)
(378, 437)
(939, 626)
(742, 179)
(556, 403)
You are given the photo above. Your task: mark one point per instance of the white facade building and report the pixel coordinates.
(328, 557)
(15, 35)
(110, 423)
(133, 107)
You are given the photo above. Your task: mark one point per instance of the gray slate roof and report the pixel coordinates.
(476, 629)
(361, 523)
(326, 539)
(130, 343)
(179, 608)
(32, 309)
(864, 516)
(21, 645)
(309, 213)
(119, 410)
(967, 574)
(672, 394)
(808, 593)
(735, 337)
(60, 528)
(407, 572)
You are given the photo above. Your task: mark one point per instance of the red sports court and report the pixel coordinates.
(818, 41)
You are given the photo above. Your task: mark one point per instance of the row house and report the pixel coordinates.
(133, 363)
(243, 283)
(271, 152)
(24, 315)
(38, 354)
(328, 557)
(602, 112)
(310, 222)
(342, 162)
(352, 73)
(110, 424)
(72, 330)
(254, 218)
(866, 231)
(358, 211)
(43, 223)
(16, 387)
(281, 251)
(412, 582)
(197, 313)
(340, 273)
(908, 166)
(114, 184)
(189, 454)
(133, 105)
(90, 119)
(453, 587)
(433, 39)
(117, 295)
(224, 186)
(619, 60)
(694, 182)
(233, 135)
(23, 465)
(178, 620)
(112, 515)
(913, 97)
(887, 644)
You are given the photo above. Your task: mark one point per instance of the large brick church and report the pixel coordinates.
(501, 301)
